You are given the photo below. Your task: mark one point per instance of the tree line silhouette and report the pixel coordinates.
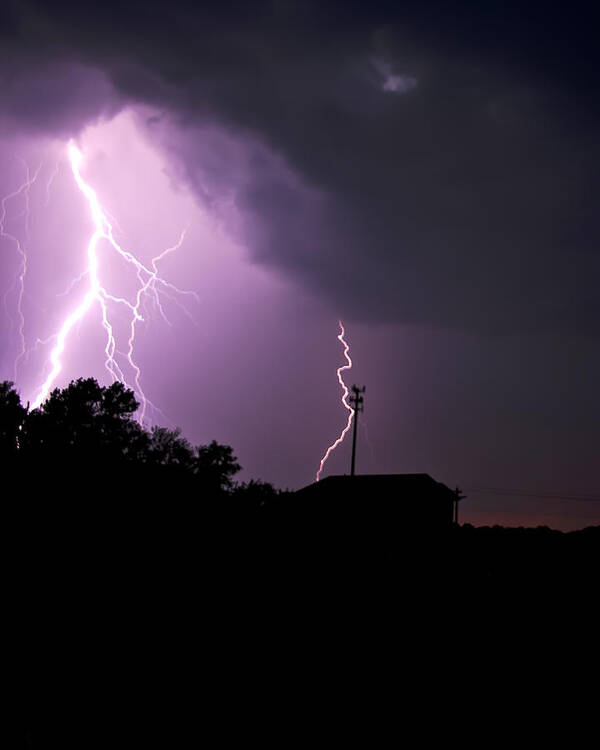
(148, 580)
(83, 455)
(84, 441)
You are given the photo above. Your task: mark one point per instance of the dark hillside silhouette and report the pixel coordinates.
(149, 584)
(82, 465)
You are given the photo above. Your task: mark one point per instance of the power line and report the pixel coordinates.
(526, 493)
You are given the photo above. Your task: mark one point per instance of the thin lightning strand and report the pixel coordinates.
(346, 392)
(51, 179)
(19, 279)
(150, 284)
(23, 273)
(146, 285)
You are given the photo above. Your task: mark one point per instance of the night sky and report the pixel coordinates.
(426, 172)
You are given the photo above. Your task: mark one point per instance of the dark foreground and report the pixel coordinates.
(164, 624)
(152, 601)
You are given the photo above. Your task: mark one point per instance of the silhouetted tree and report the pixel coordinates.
(216, 465)
(85, 437)
(88, 421)
(12, 416)
(168, 448)
(255, 493)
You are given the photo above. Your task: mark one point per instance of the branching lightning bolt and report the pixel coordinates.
(347, 406)
(151, 285)
(19, 279)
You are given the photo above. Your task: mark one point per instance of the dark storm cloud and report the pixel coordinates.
(56, 99)
(436, 163)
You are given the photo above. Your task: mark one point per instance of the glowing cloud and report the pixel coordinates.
(394, 83)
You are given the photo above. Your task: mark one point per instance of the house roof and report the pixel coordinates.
(405, 484)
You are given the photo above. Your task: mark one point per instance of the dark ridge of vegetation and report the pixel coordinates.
(85, 444)
(153, 595)
(82, 471)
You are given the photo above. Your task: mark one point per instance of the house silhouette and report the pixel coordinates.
(384, 500)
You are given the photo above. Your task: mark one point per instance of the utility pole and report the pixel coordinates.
(356, 401)
(457, 496)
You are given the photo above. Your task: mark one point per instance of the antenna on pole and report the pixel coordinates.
(356, 401)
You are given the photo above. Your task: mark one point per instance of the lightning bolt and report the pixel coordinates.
(151, 286)
(347, 406)
(18, 283)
